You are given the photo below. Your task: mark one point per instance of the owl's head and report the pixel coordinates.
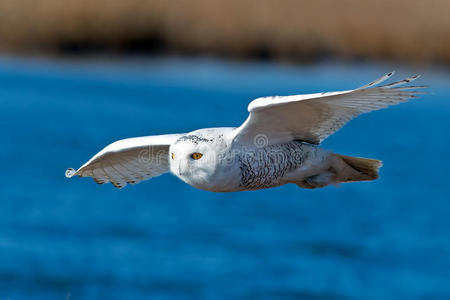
(196, 158)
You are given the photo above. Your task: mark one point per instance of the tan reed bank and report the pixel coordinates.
(415, 30)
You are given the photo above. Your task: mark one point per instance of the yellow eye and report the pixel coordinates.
(173, 156)
(196, 155)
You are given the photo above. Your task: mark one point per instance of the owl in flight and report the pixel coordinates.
(277, 144)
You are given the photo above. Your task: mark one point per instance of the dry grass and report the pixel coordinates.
(414, 30)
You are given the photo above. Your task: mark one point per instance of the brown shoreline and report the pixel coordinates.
(415, 31)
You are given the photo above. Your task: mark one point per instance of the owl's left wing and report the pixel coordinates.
(312, 118)
(129, 161)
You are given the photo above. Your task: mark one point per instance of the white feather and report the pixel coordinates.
(129, 161)
(314, 117)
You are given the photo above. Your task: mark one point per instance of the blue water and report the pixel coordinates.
(162, 239)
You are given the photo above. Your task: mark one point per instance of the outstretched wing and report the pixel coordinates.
(314, 117)
(129, 161)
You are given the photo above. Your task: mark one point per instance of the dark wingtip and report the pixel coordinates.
(70, 172)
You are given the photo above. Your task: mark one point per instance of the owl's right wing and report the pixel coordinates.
(129, 161)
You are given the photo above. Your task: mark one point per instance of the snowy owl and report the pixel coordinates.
(277, 144)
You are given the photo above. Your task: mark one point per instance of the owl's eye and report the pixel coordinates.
(173, 156)
(196, 155)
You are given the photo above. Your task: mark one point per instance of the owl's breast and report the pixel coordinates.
(266, 167)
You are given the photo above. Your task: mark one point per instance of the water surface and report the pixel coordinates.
(162, 239)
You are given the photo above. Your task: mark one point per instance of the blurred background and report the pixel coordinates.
(78, 75)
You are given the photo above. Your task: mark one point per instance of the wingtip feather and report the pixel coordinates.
(378, 81)
(70, 172)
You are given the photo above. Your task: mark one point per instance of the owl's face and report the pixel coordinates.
(193, 159)
(202, 159)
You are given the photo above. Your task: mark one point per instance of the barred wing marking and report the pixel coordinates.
(314, 117)
(129, 161)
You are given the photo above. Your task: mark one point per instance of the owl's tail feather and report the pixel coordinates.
(350, 168)
(343, 168)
